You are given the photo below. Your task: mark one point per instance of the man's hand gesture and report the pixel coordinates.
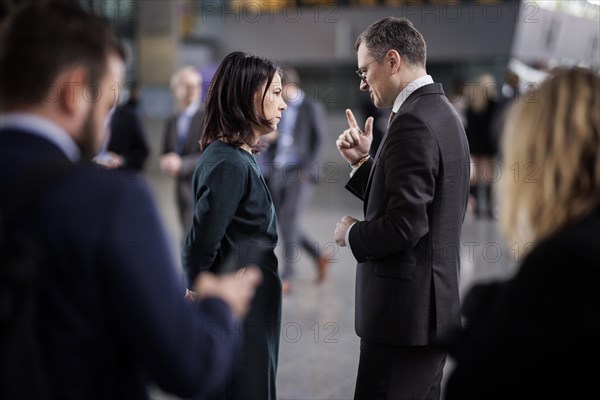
(353, 143)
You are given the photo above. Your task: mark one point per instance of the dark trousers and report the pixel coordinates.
(388, 372)
(291, 192)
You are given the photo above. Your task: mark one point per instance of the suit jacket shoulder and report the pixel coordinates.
(106, 263)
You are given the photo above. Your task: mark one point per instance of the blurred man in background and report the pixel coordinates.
(181, 144)
(126, 144)
(291, 168)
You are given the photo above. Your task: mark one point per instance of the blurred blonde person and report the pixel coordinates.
(537, 334)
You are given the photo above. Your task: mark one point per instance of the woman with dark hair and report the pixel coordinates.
(232, 203)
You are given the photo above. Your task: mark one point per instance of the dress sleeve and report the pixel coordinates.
(218, 189)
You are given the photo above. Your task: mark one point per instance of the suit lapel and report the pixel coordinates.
(434, 88)
(375, 160)
(377, 154)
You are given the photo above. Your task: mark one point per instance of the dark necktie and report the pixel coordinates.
(392, 115)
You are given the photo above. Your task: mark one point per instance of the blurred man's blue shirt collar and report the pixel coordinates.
(43, 128)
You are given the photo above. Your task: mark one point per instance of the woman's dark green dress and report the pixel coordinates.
(231, 203)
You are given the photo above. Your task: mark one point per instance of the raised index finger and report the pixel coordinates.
(351, 119)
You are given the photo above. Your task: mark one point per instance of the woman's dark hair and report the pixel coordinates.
(230, 112)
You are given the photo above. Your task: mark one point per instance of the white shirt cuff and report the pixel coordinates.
(353, 171)
(347, 238)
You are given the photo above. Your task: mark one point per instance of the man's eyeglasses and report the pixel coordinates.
(360, 71)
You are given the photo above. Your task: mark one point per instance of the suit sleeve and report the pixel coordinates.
(411, 162)
(168, 136)
(180, 344)
(358, 182)
(139, 151)
(218, 190)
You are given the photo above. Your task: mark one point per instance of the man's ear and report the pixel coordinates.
(395, 60)
(72, 99)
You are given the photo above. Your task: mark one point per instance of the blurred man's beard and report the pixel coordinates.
(88, 144)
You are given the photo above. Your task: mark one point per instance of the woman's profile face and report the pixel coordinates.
(272, 106)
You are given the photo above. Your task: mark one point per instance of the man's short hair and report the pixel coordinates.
(398, 34)
(39, 41)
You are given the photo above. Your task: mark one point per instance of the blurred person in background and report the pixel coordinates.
(415, 196)
(536, 335)
(482, 142)
(107, 305)
(458, 99)
(232, 202)
(181, 143)
(511, 90)
(126, 140)
(133, 101)
(291, 166)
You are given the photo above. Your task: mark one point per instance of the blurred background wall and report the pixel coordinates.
(464, 38)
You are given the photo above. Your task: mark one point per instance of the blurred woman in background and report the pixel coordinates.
(537, 335)
(482, 142)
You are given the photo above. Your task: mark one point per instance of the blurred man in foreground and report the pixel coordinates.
(110, 310)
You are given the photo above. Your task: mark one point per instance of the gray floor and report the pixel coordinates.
(319, 348)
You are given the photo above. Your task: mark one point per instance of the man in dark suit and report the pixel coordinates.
(290, 166)
(110, 310)
(181, 145)
(415, 195)
(127, 146)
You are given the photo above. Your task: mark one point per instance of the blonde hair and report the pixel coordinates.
(552, 156)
